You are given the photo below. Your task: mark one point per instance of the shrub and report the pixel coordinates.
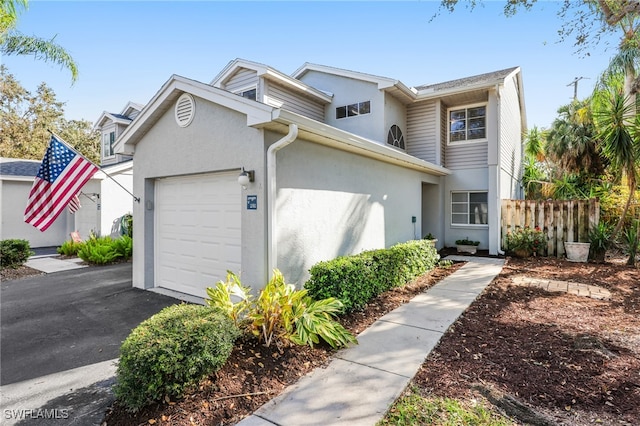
(69, 248)
(467, 242)
(530, 240)
(355, 280)
(281, 313)
(632, 241)
(171, 352)
(600, 240)
(14, 253)
(103, 250)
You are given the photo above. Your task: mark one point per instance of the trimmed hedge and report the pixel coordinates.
(355, 280)
(171, 352)
(14, 253)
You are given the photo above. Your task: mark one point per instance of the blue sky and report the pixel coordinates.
(126, 50)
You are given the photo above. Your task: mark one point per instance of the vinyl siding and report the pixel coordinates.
(510, 140)
(444, 128)
(280, 97)
(242, 79)
(467, 155)
(422, 138)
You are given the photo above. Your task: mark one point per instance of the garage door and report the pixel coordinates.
(197, 231)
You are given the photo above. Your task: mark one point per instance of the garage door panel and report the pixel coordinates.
(198, 231)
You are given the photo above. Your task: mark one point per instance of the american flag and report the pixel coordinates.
(74, 204)
(62, 174)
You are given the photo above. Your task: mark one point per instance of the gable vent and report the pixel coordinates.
(185, 110)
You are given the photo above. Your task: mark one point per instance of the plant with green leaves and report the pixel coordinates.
(281, 313)
(123, 246)
(526, 241)
(600, 240)
(14, 253)
(467, 242)
(632, 241)
(169, 353)
(69, 248)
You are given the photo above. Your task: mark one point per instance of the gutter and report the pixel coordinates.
(272, 243)
(498, 202)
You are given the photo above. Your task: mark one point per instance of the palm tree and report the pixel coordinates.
(619, 129)
(12, 42)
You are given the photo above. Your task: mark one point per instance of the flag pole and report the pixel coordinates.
(62, 141)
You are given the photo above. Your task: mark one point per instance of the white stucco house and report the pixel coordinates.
(337, 161)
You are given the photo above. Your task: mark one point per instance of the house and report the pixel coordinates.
(16, 180)
(259, 169)
(105, 199)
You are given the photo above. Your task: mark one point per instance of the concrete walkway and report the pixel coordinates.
(361, 383)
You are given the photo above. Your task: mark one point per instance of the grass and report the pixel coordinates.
(414, 409)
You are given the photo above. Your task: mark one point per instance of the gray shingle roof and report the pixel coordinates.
(467, 81)
(18, 167)
(124, 117)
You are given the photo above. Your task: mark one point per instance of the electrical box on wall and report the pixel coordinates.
(413, 219)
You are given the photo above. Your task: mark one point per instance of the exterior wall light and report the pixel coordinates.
(246, 176)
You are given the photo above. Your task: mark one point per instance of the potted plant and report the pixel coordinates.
(431, 238)
(467, 246)
(599, 237)
(525, 241)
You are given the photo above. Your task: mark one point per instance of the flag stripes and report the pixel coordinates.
(62, 175)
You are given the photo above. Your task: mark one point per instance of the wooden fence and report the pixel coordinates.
(567, 220)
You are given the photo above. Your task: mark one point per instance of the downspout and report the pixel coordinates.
(272, 243)
(497, 201)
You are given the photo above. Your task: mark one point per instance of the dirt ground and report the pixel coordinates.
(573, 360)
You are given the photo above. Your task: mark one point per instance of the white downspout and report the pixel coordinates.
(272, 243)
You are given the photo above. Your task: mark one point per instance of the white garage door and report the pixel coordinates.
(197, 231)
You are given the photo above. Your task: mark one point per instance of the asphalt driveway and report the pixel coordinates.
(56, 322)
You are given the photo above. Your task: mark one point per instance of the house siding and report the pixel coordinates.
(510, 141)
(422, 137)
(242, 79)
(281, 97)
(467, 155)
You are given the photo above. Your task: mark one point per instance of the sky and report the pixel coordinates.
(126, 51)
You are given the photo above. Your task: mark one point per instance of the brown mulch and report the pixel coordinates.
(574, 359)
(255, 374)
(20, 272)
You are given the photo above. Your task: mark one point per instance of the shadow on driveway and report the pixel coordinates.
(56, 322)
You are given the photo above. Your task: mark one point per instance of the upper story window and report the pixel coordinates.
(108, 140)
(469, 208)
(251, 93)
(468, 124)
(395, 138)
(354, 109)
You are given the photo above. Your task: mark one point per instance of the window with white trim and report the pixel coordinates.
(353, 110)
(469, 208)
(467, 124)
(249, 93)
(108, 140)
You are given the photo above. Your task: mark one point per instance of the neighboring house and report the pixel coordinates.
(105, 202)
(16, 180)
(340, 162)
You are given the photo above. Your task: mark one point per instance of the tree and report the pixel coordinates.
(12, 42)
(26, 119)
(620, 140)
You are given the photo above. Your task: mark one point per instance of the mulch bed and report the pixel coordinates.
(574, 359)
(255, 374)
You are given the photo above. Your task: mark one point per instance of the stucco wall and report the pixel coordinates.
(13, 200)
(115, 202)
(87, 219)
(332, 203)
(218, 139)
(348, 91)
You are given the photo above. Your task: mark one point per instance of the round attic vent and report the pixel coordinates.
(185, 110)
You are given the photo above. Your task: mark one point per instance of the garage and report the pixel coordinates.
(197, 231)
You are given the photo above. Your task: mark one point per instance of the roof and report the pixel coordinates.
(269, 73)
(489, 78)
(19, 167)
(120, 118)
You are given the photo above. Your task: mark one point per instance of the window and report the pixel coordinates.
(353, 110)
(469, 208)
(467, 124)
(249, 94)
(395, 138)
(108, 140)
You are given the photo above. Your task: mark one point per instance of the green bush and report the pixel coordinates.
(281, 313)
(69, 248)
(103, 250)
(355, 280)
(169, 353)
(14, 253)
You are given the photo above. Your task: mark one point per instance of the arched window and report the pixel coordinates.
(395, 138)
